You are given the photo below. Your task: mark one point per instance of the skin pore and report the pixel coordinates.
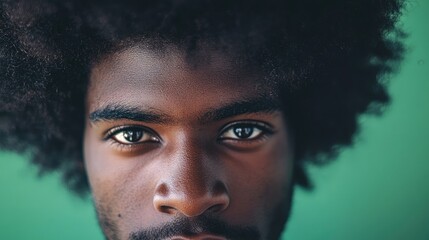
(180, 151)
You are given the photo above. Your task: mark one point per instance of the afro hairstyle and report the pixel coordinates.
(328, 58)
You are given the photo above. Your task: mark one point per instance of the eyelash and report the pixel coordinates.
(110, 135)
(264, 128)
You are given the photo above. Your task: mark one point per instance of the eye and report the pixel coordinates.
(131, 135)
(245, 131)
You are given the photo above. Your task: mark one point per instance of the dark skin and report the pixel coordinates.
(203, 150)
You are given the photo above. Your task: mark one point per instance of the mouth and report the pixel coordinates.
(200, 228)
(198, 237)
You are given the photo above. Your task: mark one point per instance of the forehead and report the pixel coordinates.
(168, 77)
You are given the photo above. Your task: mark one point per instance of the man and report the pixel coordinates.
(190, 119)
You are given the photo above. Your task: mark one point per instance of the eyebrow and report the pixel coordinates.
(261, 104)
(118, 111)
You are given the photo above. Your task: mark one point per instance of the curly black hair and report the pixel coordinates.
(328, 58)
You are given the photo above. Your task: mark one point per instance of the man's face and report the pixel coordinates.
(175, 151)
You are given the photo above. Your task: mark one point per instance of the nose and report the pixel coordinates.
(191, 186)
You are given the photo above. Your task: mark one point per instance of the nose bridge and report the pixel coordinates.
(192, 172)
(192, 183)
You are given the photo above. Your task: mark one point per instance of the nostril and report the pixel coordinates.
(167, 209)
(161, 199)
(190, 201)
(216, 208)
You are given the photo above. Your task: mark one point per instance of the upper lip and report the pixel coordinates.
(199, 237)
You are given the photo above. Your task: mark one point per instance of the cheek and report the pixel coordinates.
(101, 176)
(275, 189)
(116, 185)
(261, 182)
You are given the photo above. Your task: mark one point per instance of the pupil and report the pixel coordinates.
(133, 135)
(243, 132)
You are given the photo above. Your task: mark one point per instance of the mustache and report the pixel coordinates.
(183, 226)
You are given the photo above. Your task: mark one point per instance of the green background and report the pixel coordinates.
(376, 190)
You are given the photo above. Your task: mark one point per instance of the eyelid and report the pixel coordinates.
(115, 130)
(266, 127)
